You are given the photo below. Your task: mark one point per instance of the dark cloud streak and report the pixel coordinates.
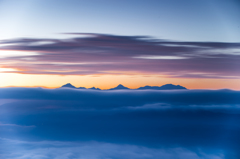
(106, 54)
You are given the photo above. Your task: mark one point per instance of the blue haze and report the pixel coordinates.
(140, 124)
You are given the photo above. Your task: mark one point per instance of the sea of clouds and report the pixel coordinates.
(138, 124)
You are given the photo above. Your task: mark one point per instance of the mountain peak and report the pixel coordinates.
(95, 88)
(172, 86)
(68, 85)
(163, 87)
(120, 86)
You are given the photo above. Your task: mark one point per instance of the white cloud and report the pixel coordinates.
(94, 150)
(9, 53)
(7, 69)
(15, 125)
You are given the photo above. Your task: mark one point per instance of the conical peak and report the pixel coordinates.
(69, 85)
(120, 85)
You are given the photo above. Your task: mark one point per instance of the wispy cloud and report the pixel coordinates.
(96, 150)
(15, 125)
(109, 54)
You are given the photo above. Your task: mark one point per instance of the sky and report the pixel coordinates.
(103, 43)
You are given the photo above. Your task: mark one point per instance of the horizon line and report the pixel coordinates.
(130, 88)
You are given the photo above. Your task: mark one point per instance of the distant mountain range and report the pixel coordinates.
(121, 87)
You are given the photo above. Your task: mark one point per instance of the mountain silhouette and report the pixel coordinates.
(95, 88)
(120, 86)
(68, 85)
(164, 87)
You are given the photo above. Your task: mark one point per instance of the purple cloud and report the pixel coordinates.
(113, 54)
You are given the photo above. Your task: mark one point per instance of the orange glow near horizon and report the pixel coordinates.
(110, 81)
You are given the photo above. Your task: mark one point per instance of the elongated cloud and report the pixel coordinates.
(113, 54)
(94, 150)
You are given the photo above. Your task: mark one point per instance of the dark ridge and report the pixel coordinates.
(164, 87)
(120, 86)
(68, 85)
(94, 88)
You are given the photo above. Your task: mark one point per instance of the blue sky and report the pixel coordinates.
(185, 20)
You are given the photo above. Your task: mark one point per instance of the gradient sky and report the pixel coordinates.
(103, 43)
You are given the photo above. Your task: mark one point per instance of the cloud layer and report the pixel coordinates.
(113, 54)
(119, 124)
(94, 150)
